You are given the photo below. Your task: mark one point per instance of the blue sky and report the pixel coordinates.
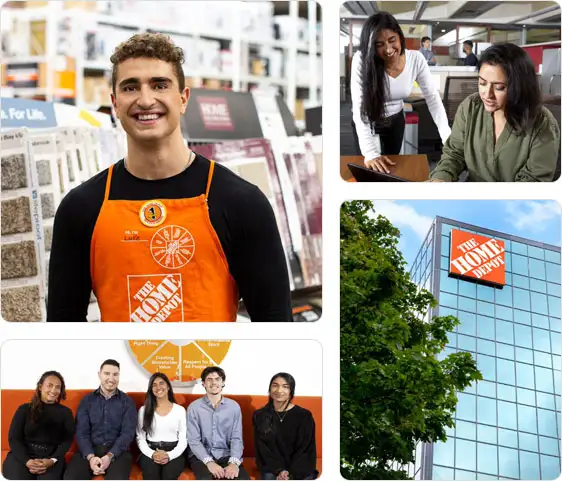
(537, 220)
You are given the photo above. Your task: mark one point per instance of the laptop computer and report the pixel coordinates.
(364, 174)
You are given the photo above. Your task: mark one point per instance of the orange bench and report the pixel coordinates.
(12, 399)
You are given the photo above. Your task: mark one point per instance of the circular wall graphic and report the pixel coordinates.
(181, 360)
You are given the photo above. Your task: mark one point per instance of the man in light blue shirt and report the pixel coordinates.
(214, 432)
(426, 51)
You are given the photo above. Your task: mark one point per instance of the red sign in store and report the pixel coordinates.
(477, 257)
(215, 113)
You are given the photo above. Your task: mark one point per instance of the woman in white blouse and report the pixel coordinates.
(382, 76)
(161, 432)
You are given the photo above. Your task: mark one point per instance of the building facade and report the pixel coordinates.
(507, 426)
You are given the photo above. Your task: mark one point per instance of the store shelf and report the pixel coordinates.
(38, 59)
(97, 65)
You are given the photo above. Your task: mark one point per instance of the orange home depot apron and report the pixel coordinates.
(160, 260)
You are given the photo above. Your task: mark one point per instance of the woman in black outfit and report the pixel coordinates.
(41, 433)
(284, 435)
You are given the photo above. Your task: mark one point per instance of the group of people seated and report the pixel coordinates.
(207, 437)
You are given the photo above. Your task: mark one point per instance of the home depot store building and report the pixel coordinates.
(505, 291)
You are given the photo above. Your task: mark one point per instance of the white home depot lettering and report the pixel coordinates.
(157, 302)
(479, 259)
(219, 110)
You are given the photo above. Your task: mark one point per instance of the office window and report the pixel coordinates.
(485, 308)
(447, 299)
(548, 446)
(465, 455)
(467, 288)
(465, 430)
(521, 299)
(445, 263)
(527, 418)
(552, 256)
(520, 281)
(550, 467)
(525, 396)
(486, 409)
(554, 306)
(464, 475)
(442, 473)
(507, 438)
(446, 229)
(523, 317)
(519, 265)
(537, 269)
(504, 331)
(506, 392)
(466, 343)
(485, 293)
(544, 379)
(486, 364)
(547, 422)
(485, 327)
(452, 339)
(543, 359)
(504, 313)
(529, 442)
(555, 337)
(487, 347)
(487, 458)
(445, 353)
(545, 400)
(525, 375)
(524, 355)
(556, 360)
(486, 477)
(448, 284)
(539, 303)
(537, 285)
(553, 289)
(444, 311)
(507, 415)
(444, 452)
(506, 371)
(468, 323)
(523, 336)
(508, 462)
(504, 296)
(552, 272)
(518, 248)
(487, 434)
(535, 252)
(540, 321)
(541, 339)
(466, 407)
(467, 304)
(508, 261)
(530, 469)
(505, 351)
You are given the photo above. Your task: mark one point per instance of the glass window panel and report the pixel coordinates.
(550, 467)
(485, 293)
(467, 288)
(487, 347)
(507, 261)
(465, 455)
(504, 313)
(519, 265)
(508, 279)
(486, 389)
(487, 458)
(466, 430)
(444, 311)
(553, 272)
(528, 442)
(487, 434)
(557, 383)
(535, 252)
(445, 353)
(521, 299)
(506, 371)
(509, 462)
(518, 248)
(445, 263)
(467, 304)
(505, 351)
(525, 396)
(471, 388)
(444, 452)
(446, 229)
(537, 269)
(447, 299)
(555, 336)
(464, 475)
(506, 392)
(525, 375)
(523, 336)
(556, 361)
(448, 284)
(540, 321)
(451, 339)
(524, 355)
(545, 400)
(487, 365)
(547, 422)
(504, 296)
(544, 379)
(530, 469)
(486, 409)
(485, 308)
(467, 343)
(442, 473)
(552, 256)
(548, 445)
(450, 431)
(486, 477)
(504, 331)
(468, 323)
(539, 303)
(553, 289)
(466, 407)
(537, 285)
(485, 327)
(520, 282)
(522, 317)
(507, 438)
(541, 339)
(554, 306)
(507, 415)
(527, 418)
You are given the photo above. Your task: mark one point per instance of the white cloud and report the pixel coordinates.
(404, 216)
(532, 215)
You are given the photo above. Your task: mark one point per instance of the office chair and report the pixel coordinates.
(456, 90)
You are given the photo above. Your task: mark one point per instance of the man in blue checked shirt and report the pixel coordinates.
(106, 421)
(214, 432)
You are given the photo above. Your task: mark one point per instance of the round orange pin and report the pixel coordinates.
(152, 213)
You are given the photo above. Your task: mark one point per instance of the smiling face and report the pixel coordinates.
(280, 390)
(148, 100)
(160, 388)
(213, 384)
(109, 378)
(388, 45)
(50, 389)
(492, 87)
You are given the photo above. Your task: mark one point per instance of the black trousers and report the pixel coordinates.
(14, 470)
(119, 468)
(153, 471)
(391, 133)
(202, 472)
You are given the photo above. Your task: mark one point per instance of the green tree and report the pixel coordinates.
(395, 392)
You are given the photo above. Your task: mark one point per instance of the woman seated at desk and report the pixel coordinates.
(382, 76)
(502, 132)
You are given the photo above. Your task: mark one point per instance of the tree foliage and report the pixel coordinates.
(394, 391)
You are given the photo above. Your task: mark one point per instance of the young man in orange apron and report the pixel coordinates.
(164, 235)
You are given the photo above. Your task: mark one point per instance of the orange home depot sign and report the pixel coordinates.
(477, 257)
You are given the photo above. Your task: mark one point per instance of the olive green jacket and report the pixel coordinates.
(470, 147)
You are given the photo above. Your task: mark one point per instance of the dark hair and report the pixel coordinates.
(218, 370)
(468, 42)
(523, 91)
(424, 39)
(149, 45)
(110, 362)
(374, 84)
(266, 425)
(150, 401)
(36, 406)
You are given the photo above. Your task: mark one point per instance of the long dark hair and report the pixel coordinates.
(150, 401)
(523, 91)
(374, 84)
(36, 406)
(266, 425)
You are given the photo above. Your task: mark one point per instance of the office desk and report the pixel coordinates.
(413, 167)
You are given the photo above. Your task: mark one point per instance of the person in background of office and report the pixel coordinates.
(470, 60)
(426, 51)
(502, 132)
(41, 433)
(382, 76)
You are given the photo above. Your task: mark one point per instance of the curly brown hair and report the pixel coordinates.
(151, 45)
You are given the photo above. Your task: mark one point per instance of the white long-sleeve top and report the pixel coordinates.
(169, 428)
(416, 69)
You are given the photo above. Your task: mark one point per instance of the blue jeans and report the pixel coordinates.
(270, 476)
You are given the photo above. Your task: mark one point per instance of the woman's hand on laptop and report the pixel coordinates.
(380, 164)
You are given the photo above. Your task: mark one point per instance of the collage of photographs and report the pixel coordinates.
(173, 164)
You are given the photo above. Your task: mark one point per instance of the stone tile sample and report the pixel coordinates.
(47, 205)
(48, 232)
(13, 172)
(16, 216)
(19, 260)
(44, 172)
(21, 304)
(70, 168)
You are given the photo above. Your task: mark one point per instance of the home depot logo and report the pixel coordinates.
(477, 257)
(155, 298)
(215, 113)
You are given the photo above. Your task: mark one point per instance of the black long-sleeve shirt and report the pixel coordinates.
(55, 427)
(240, 214)
(291, 447)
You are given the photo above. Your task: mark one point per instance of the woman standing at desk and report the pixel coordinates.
(382, 76)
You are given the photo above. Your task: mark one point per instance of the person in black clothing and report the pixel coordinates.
(41, 433)
(284, 435)
(470, 60)
(105, 427)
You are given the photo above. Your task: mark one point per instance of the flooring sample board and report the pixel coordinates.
(13, 172)
(21, 304)
(19, 260)
(16, 216)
